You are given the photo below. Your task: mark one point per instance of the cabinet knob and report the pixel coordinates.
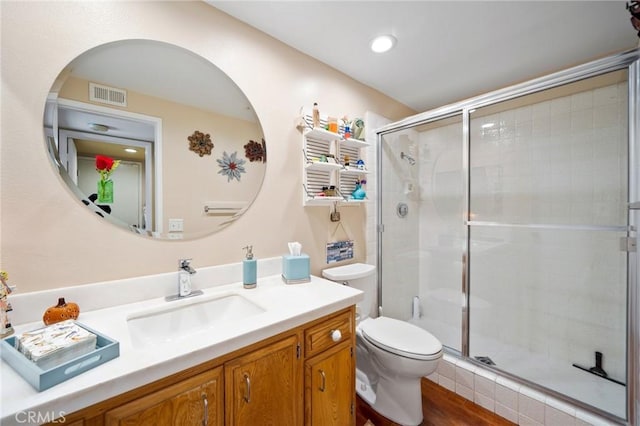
(336, 335)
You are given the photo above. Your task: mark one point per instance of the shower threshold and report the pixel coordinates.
(485, 360)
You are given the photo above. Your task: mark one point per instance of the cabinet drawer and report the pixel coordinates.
(320, 337)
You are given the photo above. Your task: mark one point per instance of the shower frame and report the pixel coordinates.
(629, 60)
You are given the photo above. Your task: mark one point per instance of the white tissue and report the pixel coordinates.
(295, 248)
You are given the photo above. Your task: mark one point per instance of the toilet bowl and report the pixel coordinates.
(391, 355)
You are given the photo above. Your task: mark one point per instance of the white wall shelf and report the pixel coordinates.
(353, 171)
(319, 175)
(354, 143)
(320, 165)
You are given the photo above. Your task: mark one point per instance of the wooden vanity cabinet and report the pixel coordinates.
(194, 401)
(329, 387)
(302, 376)
(263, 387)
(330, 372)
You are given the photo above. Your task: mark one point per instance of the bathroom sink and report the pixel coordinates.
(179, 319)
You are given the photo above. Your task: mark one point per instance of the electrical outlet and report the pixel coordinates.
(176, 225)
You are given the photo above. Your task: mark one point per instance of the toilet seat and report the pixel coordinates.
(401, 338)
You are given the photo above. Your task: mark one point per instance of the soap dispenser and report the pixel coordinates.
(249, 269)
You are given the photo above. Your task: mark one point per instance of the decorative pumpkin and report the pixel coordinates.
(61, 312)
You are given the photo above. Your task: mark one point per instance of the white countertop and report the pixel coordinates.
(286, 307)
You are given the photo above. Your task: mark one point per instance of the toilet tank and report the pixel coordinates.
(361, 276)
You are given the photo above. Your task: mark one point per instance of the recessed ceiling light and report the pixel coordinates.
(99, 127)
(383, 43)
(131, 150)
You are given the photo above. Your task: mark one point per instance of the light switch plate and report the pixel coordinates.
(176, 225)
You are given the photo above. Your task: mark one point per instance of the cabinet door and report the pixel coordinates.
(194, 401)
(330, 387)
(264, 386)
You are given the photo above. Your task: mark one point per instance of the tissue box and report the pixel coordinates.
(295, 269)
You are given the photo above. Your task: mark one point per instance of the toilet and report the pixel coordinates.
(391, 355)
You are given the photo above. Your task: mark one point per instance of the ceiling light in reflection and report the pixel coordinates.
(99, 127)
(131, 150)
(383, 43)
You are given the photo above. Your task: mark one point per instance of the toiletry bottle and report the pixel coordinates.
(249, 269)
(316, 115)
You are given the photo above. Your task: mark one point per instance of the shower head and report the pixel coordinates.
(407, 157)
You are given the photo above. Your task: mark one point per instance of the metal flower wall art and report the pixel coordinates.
(231, 166)
(255, 151)
(200, 143)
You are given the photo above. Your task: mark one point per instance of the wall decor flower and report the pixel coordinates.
(105, 166)
(255, 151)
(231, 166)
(200, 143)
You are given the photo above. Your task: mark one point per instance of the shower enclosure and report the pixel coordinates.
(507, 230)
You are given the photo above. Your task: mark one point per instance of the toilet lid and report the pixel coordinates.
(401, 338)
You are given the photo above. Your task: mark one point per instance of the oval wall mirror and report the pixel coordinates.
(155, 139)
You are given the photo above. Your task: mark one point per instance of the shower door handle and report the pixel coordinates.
(630, 243)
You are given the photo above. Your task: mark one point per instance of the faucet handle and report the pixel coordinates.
(184, 263)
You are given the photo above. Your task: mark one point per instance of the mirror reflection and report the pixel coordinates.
(155, 138)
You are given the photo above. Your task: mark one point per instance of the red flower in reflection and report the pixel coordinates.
(105, 166)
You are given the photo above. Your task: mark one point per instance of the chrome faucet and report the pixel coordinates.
(185, 265)
(184, 281)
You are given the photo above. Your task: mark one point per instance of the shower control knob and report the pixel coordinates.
(336, 335)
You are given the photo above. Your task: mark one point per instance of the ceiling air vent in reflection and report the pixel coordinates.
(107, 95)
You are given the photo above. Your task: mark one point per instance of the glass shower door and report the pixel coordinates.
(548, 217)
(421, 208)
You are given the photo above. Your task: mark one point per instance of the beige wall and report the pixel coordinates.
(48, 241)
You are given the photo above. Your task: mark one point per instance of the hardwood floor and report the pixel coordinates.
(440, 407)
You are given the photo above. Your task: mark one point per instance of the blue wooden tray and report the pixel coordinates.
(106, 350)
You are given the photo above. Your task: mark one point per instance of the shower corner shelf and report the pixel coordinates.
(316, 175)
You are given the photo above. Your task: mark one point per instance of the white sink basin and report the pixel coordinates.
(182, 318)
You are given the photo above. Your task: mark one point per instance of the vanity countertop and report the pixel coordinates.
(286, 307)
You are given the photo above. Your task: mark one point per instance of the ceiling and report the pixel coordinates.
(447, 50)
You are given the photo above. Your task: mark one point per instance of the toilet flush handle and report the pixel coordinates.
(336, 335)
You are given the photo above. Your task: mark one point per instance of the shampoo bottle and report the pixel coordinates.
(249, 269)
